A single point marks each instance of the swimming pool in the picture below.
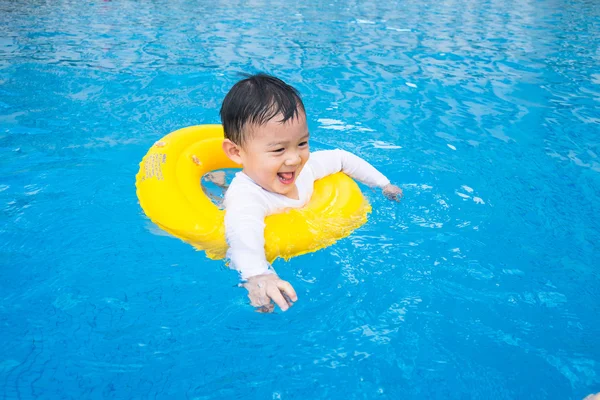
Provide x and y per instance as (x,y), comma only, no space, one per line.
(482,283)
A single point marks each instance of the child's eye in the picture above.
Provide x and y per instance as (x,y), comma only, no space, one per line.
(302,144)
(278,150)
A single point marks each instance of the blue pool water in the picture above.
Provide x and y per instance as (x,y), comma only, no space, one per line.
(483,283)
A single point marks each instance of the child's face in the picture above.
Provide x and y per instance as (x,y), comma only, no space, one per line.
(275,153)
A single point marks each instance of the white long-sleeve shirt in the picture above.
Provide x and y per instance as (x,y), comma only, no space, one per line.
(247,204)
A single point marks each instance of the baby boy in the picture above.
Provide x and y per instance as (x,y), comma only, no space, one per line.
(266,132)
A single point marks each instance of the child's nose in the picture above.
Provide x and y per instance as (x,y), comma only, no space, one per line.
(293,159)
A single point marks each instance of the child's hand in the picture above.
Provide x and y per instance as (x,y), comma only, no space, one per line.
(264,288)
(392,192)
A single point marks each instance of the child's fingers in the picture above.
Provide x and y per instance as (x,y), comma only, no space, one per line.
(288,290)
(275,295)
(257,300)
(265,309)
(393,194)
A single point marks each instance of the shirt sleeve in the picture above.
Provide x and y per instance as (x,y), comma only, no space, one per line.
(329,162)
(245,213)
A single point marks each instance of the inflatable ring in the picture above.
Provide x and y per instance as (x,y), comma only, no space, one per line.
(170,193)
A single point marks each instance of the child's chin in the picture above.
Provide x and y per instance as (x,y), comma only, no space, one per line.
(284,189)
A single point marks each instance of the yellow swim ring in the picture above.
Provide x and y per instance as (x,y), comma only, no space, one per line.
(170,193)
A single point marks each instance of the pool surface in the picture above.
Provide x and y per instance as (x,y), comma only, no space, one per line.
(483,283)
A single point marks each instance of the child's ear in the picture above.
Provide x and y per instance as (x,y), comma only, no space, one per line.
(232,151)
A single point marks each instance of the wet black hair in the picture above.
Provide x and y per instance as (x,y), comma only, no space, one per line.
(256,100)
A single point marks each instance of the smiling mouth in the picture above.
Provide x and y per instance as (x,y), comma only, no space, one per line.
(286,177)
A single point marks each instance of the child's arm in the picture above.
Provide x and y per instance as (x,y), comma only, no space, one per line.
(329,162)
(244,228)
